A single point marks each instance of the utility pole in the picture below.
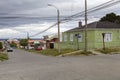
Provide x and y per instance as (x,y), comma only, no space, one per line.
(103,35)
(86,37)
(58,21)
(58,30)
(28,41)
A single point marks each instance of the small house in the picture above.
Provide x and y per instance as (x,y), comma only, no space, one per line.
(37,44)
(75,38)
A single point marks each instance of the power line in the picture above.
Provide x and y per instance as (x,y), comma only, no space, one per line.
(88,10)
(44,30)
(99,7)
(9,17)
(54,17)
(67,19)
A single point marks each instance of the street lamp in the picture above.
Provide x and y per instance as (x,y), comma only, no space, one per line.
(58,21)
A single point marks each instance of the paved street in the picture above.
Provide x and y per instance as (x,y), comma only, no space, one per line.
(23,65)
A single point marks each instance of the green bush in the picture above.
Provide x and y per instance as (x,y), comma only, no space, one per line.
(3,56)
(24,42)
(1,46)
(13,44)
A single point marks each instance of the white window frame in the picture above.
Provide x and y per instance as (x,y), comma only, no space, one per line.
(65,37)
(80,37)
(108,37)
(71,37)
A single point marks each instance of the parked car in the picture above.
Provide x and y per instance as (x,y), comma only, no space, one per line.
(9,50)
(38,48)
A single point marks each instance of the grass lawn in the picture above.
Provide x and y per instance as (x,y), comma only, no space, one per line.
(109,50)
(52,52)
(3,56)
(83,53)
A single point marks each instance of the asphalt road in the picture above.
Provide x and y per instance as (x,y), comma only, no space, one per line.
(23,65)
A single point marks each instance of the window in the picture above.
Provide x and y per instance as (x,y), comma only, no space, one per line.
(108,37)
(65,37)
(80,38)
(71,37)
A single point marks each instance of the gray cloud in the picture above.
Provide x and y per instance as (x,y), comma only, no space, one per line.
(14,13)
(11,6)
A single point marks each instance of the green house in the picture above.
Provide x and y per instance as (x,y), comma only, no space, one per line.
(75,38)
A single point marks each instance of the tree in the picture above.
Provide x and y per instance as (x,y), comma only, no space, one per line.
(13,44)
(1,46)
(118,20)
(109,17)
(24,42)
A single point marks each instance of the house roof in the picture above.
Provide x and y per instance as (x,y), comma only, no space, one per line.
(98,25)
(49,37)
(30,41)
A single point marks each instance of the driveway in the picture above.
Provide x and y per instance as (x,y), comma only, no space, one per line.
(23,65)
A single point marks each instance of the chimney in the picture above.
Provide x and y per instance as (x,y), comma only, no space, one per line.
(80,24)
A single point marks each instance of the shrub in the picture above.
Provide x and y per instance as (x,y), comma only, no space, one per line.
(24,42)
(3,56)
(1,46)
(13,44)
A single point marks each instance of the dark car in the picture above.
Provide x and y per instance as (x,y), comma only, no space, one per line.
(9,50)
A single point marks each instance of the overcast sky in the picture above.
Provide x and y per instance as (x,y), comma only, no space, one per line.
(17,17)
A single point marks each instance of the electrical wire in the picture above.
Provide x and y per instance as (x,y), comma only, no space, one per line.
(99,7)
(88,10)
(67,19)
(44,30)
